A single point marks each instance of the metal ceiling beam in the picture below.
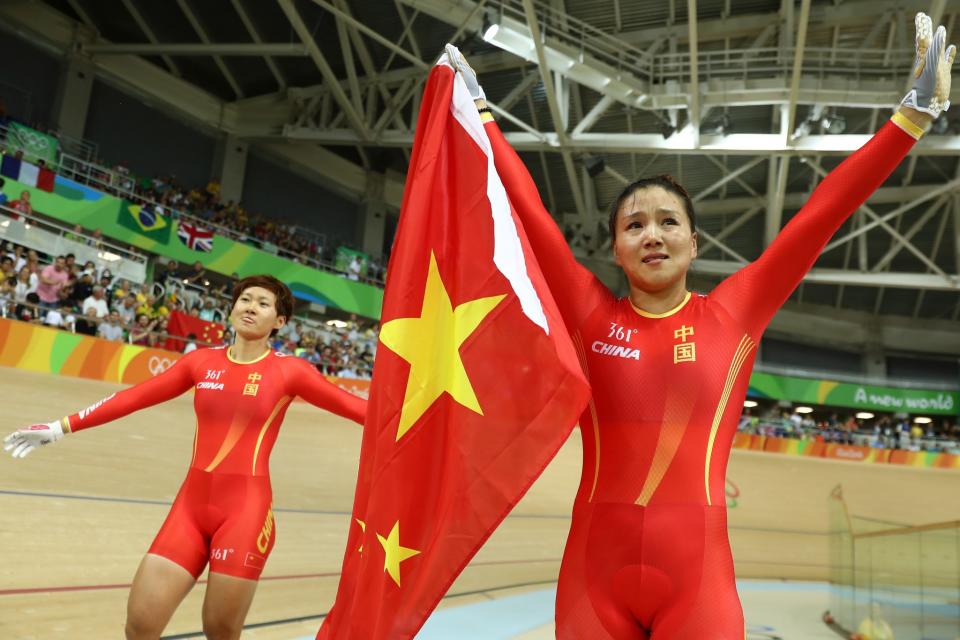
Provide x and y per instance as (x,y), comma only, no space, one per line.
(728,229)
(737,144)
(797,64)
(593,115)
(370,33)
(366,61)
(79,10)
(202,34)
(898,243)
(147,31)
(200,49)
(846,14)
(555,114)
(518,38)
(929,195)
(138,77)
(850,278)
(528,81)
(693,106)
(255,36)
(355,119)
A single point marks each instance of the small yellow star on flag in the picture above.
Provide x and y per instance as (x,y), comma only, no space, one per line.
(363,528)
(394,553)
(431,344)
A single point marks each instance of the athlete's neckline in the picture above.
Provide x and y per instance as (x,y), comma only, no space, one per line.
(257,359)
(647,314)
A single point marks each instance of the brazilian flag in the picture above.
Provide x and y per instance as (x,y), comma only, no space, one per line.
(145,221)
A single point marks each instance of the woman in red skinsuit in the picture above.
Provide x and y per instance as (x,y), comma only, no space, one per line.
(647,556)
(222,514)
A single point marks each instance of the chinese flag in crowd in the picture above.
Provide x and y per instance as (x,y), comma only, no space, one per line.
(476,382)
(183,324)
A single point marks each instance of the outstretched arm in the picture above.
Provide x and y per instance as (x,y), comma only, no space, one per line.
(169,384)
(310,385)
(754,293)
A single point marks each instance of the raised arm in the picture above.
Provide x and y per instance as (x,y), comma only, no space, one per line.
(169,384)
(576,290)
(754,293)
(309,384)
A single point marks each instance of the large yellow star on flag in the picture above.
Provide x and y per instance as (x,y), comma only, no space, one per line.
(394,554)
(431,344)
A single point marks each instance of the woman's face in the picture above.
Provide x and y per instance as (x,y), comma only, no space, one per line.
(655,243)
(254,315)
(24,274)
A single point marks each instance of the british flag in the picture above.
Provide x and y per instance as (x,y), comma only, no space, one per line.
(196,238)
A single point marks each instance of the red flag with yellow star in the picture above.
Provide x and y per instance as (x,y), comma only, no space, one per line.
(476,384)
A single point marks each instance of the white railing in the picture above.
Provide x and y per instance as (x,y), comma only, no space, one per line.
(55,238)
(584,40)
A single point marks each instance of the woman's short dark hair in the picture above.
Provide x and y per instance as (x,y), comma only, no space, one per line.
(664,181)
(284,297)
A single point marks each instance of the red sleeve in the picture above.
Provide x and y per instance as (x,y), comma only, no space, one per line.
(577,291)
(309,384)
(169,384)
(755,293)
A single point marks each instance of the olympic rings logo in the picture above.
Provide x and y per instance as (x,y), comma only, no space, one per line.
(158,365)
(32,140)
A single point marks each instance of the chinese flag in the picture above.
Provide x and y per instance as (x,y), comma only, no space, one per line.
(476,382)
(183,324)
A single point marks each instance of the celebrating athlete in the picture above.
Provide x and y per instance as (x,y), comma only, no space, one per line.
(647,554)
(241,395)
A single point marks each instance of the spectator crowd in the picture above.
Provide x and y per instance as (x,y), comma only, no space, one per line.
(235,221)
(59,292)
(880,432)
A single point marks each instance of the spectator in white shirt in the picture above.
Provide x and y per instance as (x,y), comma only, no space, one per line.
(354,268)
(60,318)
(98,302)
(110,328)
(26,283)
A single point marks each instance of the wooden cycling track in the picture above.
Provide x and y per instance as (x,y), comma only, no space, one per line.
(76,518)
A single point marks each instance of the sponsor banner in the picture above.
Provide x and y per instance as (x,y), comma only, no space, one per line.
(73,204)
(848,453)
(854,396)
(45,350)
(35,145)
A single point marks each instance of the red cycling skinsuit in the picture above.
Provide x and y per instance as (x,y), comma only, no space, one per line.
(647,555)
(222,513)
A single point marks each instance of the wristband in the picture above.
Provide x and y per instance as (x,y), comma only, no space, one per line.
(909,126)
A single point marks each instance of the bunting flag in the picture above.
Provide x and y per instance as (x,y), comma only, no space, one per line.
(25,173)
(145,221)
(10,166)
(183,324)
(194,237)
(476,384)
(46,180)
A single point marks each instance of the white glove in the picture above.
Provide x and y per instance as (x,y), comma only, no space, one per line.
(459,63)
(931,69)
(23,441)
